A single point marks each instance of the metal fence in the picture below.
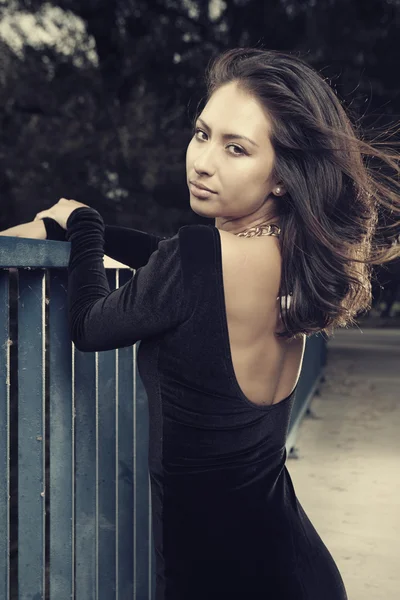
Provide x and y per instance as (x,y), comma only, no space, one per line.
(75,504)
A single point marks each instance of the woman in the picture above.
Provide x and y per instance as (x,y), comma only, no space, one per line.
(276,163)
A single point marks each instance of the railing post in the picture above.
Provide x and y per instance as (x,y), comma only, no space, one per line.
(31,434)
(4,436)
(61,440)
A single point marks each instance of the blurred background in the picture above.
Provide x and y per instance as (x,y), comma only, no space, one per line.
(96,102)
(97,96)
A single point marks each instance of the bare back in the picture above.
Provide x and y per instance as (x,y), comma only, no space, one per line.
(267,368)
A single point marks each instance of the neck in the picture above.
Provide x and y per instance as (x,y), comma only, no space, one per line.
(261,230)
(237,228)
(269,215)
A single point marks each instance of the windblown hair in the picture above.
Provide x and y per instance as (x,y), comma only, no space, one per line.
(334,216)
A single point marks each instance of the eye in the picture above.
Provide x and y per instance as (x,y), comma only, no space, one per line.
(241,151)
(237,148)
(197,130)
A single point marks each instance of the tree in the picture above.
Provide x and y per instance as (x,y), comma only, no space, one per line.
(101,111)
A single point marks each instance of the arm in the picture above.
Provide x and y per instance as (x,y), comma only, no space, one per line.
(128,246)
(153,302)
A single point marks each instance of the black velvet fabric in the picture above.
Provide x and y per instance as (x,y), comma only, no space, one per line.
(117,241)
(226,520)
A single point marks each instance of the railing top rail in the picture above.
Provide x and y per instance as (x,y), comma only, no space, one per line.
(16,252)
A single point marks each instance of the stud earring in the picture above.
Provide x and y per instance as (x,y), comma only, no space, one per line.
(277,191)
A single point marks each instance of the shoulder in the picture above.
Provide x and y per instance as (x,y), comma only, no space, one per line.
(251,265)
(259,255)
(204,243)
(197,246)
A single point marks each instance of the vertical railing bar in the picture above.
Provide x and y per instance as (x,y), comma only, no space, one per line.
(116,473)
(134,356)
(73,557)
(150,539)
(8,441)
(96,542)
(44,491)
(31,424)
(60,484)
(5,409)
(116,463)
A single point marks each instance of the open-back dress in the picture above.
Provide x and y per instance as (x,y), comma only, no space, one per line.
(226,521)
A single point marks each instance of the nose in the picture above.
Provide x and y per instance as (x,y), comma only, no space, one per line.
(203,164)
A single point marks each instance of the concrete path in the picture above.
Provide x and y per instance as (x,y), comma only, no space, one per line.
(347,474)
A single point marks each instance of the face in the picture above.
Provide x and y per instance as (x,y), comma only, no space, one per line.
(237,170)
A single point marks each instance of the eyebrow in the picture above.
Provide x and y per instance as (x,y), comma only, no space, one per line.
(230,136)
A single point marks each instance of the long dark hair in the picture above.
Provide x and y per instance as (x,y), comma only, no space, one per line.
(338,217)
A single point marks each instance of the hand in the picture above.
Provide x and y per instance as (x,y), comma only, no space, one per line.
(35,231)
(61,211)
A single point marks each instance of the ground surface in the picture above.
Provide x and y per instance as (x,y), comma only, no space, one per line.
(347,474)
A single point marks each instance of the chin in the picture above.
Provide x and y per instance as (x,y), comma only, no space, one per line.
(198,206)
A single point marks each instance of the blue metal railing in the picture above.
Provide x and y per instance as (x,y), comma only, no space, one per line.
(95,541)
(79,442)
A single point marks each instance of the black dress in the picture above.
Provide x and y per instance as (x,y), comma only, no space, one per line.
(226,520)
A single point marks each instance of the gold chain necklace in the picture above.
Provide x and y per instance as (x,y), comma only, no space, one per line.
(261,229)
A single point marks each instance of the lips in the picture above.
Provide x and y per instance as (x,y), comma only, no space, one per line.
(201,187)
(198,192)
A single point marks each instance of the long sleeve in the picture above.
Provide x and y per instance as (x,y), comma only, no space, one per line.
(151,303)
(124,244)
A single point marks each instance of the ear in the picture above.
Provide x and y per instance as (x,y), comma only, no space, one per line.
(281,187)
